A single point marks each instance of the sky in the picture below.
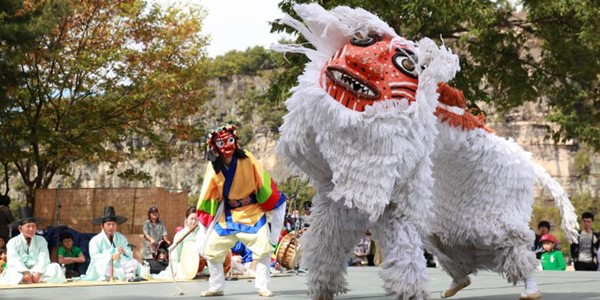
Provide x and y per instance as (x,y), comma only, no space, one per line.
(239,24)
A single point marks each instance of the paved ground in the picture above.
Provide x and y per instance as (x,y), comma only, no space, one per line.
(364,284)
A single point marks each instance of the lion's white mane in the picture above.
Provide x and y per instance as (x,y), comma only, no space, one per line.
(364,155)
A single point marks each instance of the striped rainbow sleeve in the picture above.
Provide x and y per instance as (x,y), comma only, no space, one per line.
(267,194)
(209,200)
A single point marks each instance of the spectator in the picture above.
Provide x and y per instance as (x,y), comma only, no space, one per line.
(543,228)
(2,241)
(2,259)
(364,252)
(6,216)
(305,220)
(598,259)
(295,220)
(191,220)
(584,252)
(155,235)
(241,260)
(70,256)
(109,255)
(552,259)
(27,254)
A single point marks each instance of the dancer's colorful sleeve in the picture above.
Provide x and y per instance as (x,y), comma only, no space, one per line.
(267,194)
(209,200)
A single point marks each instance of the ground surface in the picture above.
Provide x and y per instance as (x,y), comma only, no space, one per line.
(364,284)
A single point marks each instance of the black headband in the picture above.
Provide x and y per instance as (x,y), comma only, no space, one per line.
(109,219)
(25,221)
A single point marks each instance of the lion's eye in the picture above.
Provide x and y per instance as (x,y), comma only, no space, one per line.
(364,41)
(220,144)
(231,140)
(405,62)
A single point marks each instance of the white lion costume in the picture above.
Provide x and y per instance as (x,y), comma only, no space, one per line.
(383,152)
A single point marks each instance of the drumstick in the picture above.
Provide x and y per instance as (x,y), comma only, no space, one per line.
(112,269)
(205,238)
(173,246)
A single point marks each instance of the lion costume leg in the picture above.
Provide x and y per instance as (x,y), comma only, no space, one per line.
(404,266)
(334,229)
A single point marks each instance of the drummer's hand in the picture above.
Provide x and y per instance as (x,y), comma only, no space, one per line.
(151,241)
(116,256)
(121,250)
(36,277)
(26,277)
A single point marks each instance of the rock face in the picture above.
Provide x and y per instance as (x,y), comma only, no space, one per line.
(574,167)
(525,124)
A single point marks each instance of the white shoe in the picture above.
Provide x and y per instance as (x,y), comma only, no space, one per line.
(532,296)
(211,293)
(265,293)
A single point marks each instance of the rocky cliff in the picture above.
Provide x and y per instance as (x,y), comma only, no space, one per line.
(570,163)
(575,168)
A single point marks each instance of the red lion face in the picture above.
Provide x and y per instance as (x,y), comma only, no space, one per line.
(370,69)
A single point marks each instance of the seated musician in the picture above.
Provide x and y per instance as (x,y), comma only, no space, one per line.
(27,254)
(110,257)
(191,220)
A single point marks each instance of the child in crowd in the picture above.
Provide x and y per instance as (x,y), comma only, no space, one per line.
(552,259)
(2,259)
(70,256)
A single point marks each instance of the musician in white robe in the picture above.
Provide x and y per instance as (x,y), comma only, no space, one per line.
(175,258)
(28,257)
(109,246)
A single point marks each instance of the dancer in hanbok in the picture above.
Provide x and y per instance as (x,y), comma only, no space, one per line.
(236,194)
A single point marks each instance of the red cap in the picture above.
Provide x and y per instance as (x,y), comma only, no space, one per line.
(548,237)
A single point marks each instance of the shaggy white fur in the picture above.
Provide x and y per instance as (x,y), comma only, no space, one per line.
(376,169)
(366,167)
(482,205)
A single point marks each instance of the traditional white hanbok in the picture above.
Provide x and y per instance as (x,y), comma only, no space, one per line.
(33,257)
(101,250)
(175,255)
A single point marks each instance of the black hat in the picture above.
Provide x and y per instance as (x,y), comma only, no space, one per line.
(26,216)
(109,215)
(153,209)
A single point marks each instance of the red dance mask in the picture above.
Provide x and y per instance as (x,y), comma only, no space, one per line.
(223,140)
(370,69)
(225,143)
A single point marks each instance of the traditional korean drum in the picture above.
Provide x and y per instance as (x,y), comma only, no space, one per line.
(226,264)
(288,253)
(189,260)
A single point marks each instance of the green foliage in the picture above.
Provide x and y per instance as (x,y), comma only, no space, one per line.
(582,163)
(298,188)
(193,199)
(100,81)
(550,49)
(583,203)
(248,62)
(254,106)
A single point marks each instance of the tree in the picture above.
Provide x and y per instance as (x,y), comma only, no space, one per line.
(549,49)
(106,72)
